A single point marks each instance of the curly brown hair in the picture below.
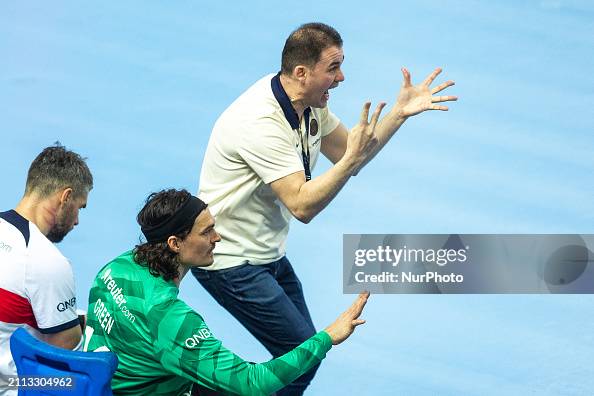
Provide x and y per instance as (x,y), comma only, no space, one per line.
(160,260)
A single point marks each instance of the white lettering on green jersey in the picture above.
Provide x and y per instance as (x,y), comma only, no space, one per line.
(164,346)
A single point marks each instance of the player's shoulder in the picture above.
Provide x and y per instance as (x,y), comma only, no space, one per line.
(43,256)
(14,233)
(124,268)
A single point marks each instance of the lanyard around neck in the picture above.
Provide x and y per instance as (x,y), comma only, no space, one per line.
(293,119)
(305,145)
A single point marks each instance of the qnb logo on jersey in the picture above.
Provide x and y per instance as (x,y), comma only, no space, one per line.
(64,305)
(193,341)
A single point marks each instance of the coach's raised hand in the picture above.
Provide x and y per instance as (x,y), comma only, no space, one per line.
(415,99)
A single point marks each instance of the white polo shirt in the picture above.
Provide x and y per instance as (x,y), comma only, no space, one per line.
(253,144)
(36,286)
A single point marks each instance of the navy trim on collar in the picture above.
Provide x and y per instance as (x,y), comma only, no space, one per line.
(285,103)
(19,222)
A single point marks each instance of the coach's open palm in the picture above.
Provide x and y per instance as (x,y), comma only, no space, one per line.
(415,99)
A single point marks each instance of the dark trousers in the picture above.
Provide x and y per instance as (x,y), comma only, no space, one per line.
(268,301)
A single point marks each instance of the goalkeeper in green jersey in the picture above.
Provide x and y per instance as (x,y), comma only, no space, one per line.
(163,346)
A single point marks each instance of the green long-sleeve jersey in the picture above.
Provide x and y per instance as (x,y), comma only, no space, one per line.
(164,346)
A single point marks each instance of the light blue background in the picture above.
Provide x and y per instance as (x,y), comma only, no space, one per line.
(136,87)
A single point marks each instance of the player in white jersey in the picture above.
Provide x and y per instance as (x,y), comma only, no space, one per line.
(37,285)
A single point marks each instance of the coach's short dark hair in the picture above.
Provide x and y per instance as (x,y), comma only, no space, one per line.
(305,45)
(157,256)
(57,168)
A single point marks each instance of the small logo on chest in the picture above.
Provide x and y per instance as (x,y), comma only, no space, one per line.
(313,127)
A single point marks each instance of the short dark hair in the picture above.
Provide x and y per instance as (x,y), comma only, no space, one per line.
(305,45)
(56,168)
(160,260)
